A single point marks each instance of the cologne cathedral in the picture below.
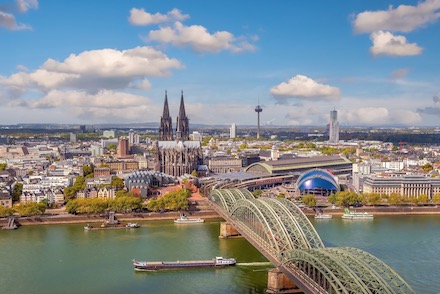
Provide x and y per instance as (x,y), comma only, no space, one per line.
(176,155)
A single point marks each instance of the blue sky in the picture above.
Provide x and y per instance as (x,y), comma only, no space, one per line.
(376,62)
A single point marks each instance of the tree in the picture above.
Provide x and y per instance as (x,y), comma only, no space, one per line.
(427,168)
(372,198)
(5,211)
(3,166)
(436,198)
(112,147)
(29,209)
(117,182)
(345,198)
(309,200)
(122,193)
(69,193)
(395,199)
(194,173)
(87,169)
(423,199)
(17,191)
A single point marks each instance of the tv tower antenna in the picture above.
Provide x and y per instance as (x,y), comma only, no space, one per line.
(258,109)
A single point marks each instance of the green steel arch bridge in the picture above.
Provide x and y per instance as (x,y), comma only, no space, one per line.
(285,236)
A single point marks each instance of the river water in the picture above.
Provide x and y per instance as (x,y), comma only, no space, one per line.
(67,259)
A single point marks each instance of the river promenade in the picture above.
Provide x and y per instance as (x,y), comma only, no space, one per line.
(59,216)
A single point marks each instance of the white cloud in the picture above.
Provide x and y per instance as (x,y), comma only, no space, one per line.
(404,18)
(95,70)
(436,97)
(380,115)
(385,43)
(140,17)
(8,19)
(304,87)
(103,99)
(25,5)
(199,39)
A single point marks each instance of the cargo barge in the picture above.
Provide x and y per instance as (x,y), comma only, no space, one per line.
(164,265)
(111,227)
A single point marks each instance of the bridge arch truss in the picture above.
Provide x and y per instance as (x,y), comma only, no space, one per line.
(290,241)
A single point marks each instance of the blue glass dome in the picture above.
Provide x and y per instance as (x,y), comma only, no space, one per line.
(317,179)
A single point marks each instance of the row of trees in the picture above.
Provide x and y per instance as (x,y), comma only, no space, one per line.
(27,209)
(176,200)
(97,205)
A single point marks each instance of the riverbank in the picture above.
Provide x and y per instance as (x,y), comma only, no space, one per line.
(204,211)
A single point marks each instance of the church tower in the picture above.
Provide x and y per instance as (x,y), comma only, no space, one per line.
(166,125)
(182,128)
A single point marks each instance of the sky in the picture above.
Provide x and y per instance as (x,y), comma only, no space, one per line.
(90,61)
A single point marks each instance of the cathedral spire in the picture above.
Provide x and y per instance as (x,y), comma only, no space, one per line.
(182,113)
(166,127)
(166,110)
(182,128)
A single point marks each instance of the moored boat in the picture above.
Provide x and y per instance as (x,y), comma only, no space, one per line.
(323,216)
(356,215)
(164,265)
(183,219)
(106,226)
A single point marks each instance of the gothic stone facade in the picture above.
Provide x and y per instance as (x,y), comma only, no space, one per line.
(176,155)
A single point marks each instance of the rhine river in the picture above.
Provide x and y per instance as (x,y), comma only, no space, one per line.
(67,259)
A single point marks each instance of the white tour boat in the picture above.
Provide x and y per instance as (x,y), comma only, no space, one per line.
(356,215)
(183,219)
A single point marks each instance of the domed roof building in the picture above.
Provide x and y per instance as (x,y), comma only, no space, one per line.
(317,182)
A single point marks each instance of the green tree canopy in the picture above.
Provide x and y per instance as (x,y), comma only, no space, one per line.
(28,209)
(6,211)
(87,169)
(176,200)
(17,191)
(117,182)
(309,200)
(345,198)
(3,166)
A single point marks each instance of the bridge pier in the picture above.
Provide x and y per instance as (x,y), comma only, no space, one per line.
(228,231)
(277,282)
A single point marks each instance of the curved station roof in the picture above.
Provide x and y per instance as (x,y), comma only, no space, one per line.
(315,179)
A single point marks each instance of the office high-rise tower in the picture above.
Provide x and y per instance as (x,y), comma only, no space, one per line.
(233,131)
(334,127)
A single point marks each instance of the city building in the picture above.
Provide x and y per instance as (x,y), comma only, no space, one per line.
(224,165)
(233,131)
(196,136)
(73,138)
(140,182)
(336,164)
(334,127)
(318,182)
(176,156)
(5,200)
(406,185)
(123,147)
(133,138)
